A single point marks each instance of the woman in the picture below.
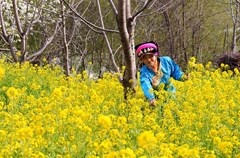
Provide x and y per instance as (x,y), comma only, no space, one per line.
(156,70)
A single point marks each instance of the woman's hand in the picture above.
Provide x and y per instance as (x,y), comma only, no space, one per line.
(152,102)
(188,76)
(185,77)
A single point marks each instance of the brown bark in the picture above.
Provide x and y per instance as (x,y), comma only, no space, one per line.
(171,41)
(65,44)
(235,14)
(184,47)
(126,29)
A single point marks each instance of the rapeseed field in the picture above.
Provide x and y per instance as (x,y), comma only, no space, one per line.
(46,114)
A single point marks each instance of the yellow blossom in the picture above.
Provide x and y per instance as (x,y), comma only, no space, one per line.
(225,147)
(236,71)
(105,122)
(2,72)
(146,139)
(44,113)
(127,153)
(13,93)
(213,133)
(18,53)
(24,133)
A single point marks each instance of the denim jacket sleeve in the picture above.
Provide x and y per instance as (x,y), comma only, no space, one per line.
(145,80)
(176,72)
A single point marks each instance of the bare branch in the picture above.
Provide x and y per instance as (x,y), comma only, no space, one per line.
(162,9)
(47,42)
(15,10)
(72,33)
(117,50)
(7,38)
(107,41)
(85,21)
(142,9)
(4,49)
(34,20)
(113,7)
(2,23)
(152,4)
(231,9)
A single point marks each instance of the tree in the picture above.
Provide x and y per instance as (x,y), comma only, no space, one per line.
(234,10)
(126,25)
(65,43)
(193,28)
(18,27)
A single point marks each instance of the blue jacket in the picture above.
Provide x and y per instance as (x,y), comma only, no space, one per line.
(169,69)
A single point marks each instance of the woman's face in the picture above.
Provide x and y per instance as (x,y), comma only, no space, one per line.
(149,60)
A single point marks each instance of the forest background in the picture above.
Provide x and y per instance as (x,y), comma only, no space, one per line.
(99,35)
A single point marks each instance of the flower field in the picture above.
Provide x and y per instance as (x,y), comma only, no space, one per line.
(45,114)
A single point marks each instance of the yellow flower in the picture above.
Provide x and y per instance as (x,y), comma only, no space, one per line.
(231,121)
(18,53)
(34,86)
(230,73)
(44,59)
(146,139)
(236,71)
(71,138)
(185,151)
(105,146)
(216,140)
(161,136)
(193,59)
(39,130)
(222,65)
(114,133)
(12,93)
(127,153)
(200,67)
(24,133)
(210,156)
(111,154)
(225,147)
(213,133)
(166,152)
(2,135)
(2,72)
(208,65)
(38,154)
(105,122)
(226,67)
(225,74)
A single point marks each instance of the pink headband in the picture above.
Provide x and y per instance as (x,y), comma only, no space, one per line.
(147,48)
(146,45)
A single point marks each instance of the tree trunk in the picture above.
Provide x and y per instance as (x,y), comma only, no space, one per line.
(65,44)
(225,42)
(126,29)
(170,33)
(235,26)
(184,47)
